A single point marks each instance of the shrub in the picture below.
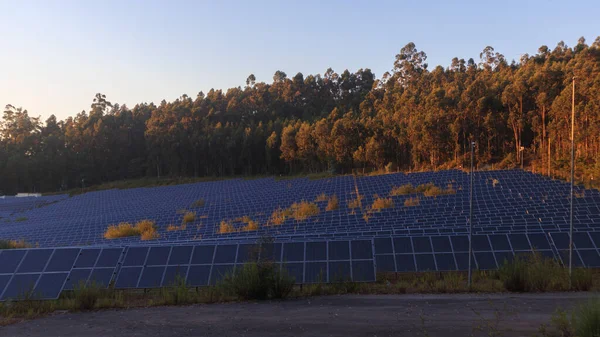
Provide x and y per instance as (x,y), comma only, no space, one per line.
(303,210)
(251,225)
(587,319)
(382,203)
(537,273)
(582,279)
(146,229)
(226,227)
(258,281)
(424,187)
(86,296)
(198,203)
(411,202)
(279,216)
(189,217)
(121,230)
(332,203)
(356,202)
(14,244)
(432,191)
(402,190)
(321,197)
(514,274)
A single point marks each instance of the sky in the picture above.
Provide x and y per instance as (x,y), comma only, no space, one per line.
(56,55)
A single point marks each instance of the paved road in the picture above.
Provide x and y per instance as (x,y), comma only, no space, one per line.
(348,315)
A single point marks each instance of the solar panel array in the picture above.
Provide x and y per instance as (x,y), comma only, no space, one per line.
(505,202)
(515,212)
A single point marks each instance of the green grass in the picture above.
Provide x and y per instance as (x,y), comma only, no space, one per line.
(20,219)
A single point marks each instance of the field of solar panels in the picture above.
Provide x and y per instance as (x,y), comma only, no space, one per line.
(513,212)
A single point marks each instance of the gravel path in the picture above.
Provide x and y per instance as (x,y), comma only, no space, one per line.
(348,315)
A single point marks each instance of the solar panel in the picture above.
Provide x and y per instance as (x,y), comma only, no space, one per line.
(198,276)
(151,277)
(35,261)
(226,254)
(158,256)
(340,271)
(10,260)
(339,250)
(128,277)
(135,256)
(316,251)
(422,244)
(425,262)
(293,251)
(405,262)
(50,285)
(174,274)
(363,271)
(20,286)
(316,272)
(203,254)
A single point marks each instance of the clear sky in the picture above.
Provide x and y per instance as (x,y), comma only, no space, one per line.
(56,55)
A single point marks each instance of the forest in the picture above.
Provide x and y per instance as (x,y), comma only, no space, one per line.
(411,118)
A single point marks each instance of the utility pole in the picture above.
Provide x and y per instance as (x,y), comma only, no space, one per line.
(572,185)
(471,216)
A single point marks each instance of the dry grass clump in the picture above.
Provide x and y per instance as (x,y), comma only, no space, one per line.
(495,182)
(251,225)
(226,227)
(402,190)
(279,216)
(189,217)
(411,202)
(304,209)
(146,229)
(198,203)
(332,203)
(14,244)
(381,203)
(355,203)
(321,197)
(173,228)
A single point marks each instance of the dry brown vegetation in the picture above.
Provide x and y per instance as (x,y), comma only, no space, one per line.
(172,228)
(413,201)
(355,203)
(226,227)
(332,203)
(382,203)
(321,197)
(402,190)
(303,210)
(279,216)
(189,217)
(198,203)
(146,229)
(14,244)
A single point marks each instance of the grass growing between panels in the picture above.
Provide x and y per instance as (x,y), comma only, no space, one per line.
(321,197)
(189,217)
(174,228)
(14,244)
(146,229)
(382,203)
(412,201)
(332,203)
(402,190)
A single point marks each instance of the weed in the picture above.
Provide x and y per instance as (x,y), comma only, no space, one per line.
(172,228)
(146,229)
(412,201)
(198,203)
(495,182)
(332,203)
(20,219)
(382,203)
(355,203)
(279,216)
(14,244)
(86,296)
(402,190)
(303,210)
(321,197)
(226,227)
(258,281)
(189,217)
(587,319)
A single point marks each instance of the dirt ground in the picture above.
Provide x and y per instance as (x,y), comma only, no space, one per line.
(348,315)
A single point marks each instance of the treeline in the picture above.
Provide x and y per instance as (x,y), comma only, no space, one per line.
(410,118)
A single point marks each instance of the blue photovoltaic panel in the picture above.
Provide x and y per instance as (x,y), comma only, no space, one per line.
(405,262)
(203,254)
(198,276)
(539,241)
(101,276)
(87,258)
(151,277)
(135,256)
(363,271)
(361,249)
(180,255)
(128,277)
(109,257)
(174,274)
(248,253)
(293,251)
(271,252)
(50,285)
(501,257)
(35,261)
(460,243)
(445,261)
(561,240)
(316,251)
(519,242)
(481,243)
(10,260)
(441,244)
(77,277)
(4,279)
(485,260)
(402,245)
(422,244)
(383,246)
(316,272)
(62,260)
(219,272)
(339,271)
(339,250)
(499,242)
(590,257)
(385,263)
(225,254)
(582,241)
(20,286)
(158,256)
(425,262)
